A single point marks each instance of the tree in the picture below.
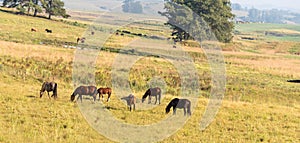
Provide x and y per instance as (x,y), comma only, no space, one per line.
(54,8)
(22,5)
(130,6)
(216,13)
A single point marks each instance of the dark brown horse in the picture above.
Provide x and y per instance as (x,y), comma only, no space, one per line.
(131,100)
(106,90)
(84,90)
(49,86)
(152,92)
(179,103)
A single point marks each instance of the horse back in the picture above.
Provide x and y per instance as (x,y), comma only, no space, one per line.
(184,103)
(155,91)
(104,90)
(86,90)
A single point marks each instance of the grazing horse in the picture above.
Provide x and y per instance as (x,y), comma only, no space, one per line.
(179,103)
(152,92)
(49,86)
(33,30)
(48,30)
(131,100)
(106,90)
(81,40)
(84,90)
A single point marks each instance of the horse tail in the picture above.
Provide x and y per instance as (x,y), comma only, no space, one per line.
(55,90)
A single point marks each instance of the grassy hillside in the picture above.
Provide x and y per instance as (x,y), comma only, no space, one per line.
(259,105)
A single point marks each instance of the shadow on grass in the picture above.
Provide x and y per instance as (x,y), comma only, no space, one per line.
(31,96)
(111,108)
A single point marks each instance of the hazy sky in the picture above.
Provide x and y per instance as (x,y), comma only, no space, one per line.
(293,5)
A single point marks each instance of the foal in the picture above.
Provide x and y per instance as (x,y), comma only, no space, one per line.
(131,100)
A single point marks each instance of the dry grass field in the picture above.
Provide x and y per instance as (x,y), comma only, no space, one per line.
(259,105)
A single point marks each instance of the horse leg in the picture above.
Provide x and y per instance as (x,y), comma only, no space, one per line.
(155,99)
(159,96)
(79,96)
(184,110)
(102,97)
(94,97)
(189,110)
(149,99)
(174,110)
(134,107)
(48,95)
(108,98)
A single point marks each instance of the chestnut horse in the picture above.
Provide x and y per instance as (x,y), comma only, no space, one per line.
(179,103)
(102,91)
(84,90)
(49,86)
(152,92)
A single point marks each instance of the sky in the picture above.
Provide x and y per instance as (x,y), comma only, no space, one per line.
(293,5)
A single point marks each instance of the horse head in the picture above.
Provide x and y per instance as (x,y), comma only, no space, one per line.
(167,110)
(144,98)
(72,97)
(41,93)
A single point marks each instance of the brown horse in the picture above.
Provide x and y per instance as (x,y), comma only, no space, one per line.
(152,92)
(84,90)
(49,86)
(131,100)
(102,91)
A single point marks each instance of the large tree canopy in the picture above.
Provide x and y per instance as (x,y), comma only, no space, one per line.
(52,7)
(216,14)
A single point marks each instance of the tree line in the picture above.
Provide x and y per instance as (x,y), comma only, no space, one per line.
(267,16)
(50,7)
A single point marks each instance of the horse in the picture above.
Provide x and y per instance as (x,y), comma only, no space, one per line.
(49,86)
(131,100)
(81,40)
(84,90)
(102,91)
(33,30)
(152,92)
(48,30)
(179,103)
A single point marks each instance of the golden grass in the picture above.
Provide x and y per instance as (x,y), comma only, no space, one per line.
(259,105)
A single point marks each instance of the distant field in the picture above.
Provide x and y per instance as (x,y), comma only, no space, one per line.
(259,105)
(281,32)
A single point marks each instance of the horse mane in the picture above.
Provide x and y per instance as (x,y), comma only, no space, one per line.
(169,106)
(146,93)
(172,103)
(43,87)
